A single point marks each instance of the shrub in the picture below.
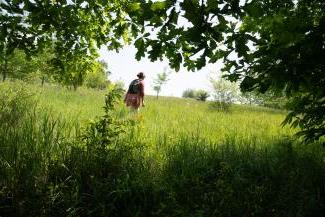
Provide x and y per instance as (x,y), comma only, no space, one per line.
(15,103)
(202,95)
(189,93)
(96,81)
(220,106)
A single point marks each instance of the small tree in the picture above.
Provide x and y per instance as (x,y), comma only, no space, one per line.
(157,88)
(161,79)
(15,65)
(44,69)
(224,91)
(28,68)
(72,70)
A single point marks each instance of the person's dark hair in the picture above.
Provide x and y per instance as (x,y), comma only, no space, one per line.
(141,75)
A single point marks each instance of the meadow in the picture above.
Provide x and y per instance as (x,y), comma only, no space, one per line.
(172,117)
(177,157)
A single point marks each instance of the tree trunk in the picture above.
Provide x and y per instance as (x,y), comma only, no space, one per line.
(157,94)
(75,86)
(43,80)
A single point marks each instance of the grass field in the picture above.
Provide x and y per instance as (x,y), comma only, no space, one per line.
(173,117)
(180,157)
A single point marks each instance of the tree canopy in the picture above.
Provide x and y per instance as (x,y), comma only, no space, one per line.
(73,26)
(274,45)
(74,30)
(159,81)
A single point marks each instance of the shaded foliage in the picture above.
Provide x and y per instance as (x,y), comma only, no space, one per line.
(75,30)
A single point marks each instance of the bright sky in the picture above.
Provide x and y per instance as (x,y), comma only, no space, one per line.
(124,67)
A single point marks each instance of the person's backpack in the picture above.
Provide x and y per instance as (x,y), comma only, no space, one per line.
(134,87)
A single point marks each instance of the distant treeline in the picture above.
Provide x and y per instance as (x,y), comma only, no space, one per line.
(45,67)
(225,93)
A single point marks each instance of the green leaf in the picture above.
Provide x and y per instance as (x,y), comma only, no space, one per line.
(140,45)
(134,7)
(176,61)
(192,12)
(156,50)
(158,6)
(212,5)
(254,9)
(248,83)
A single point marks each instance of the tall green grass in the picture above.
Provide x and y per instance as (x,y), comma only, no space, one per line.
(176,158)
(172,117)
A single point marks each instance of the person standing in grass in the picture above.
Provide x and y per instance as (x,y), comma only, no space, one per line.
(134,97)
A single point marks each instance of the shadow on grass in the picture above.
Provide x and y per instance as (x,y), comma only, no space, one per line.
(244,181)
(195,179)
